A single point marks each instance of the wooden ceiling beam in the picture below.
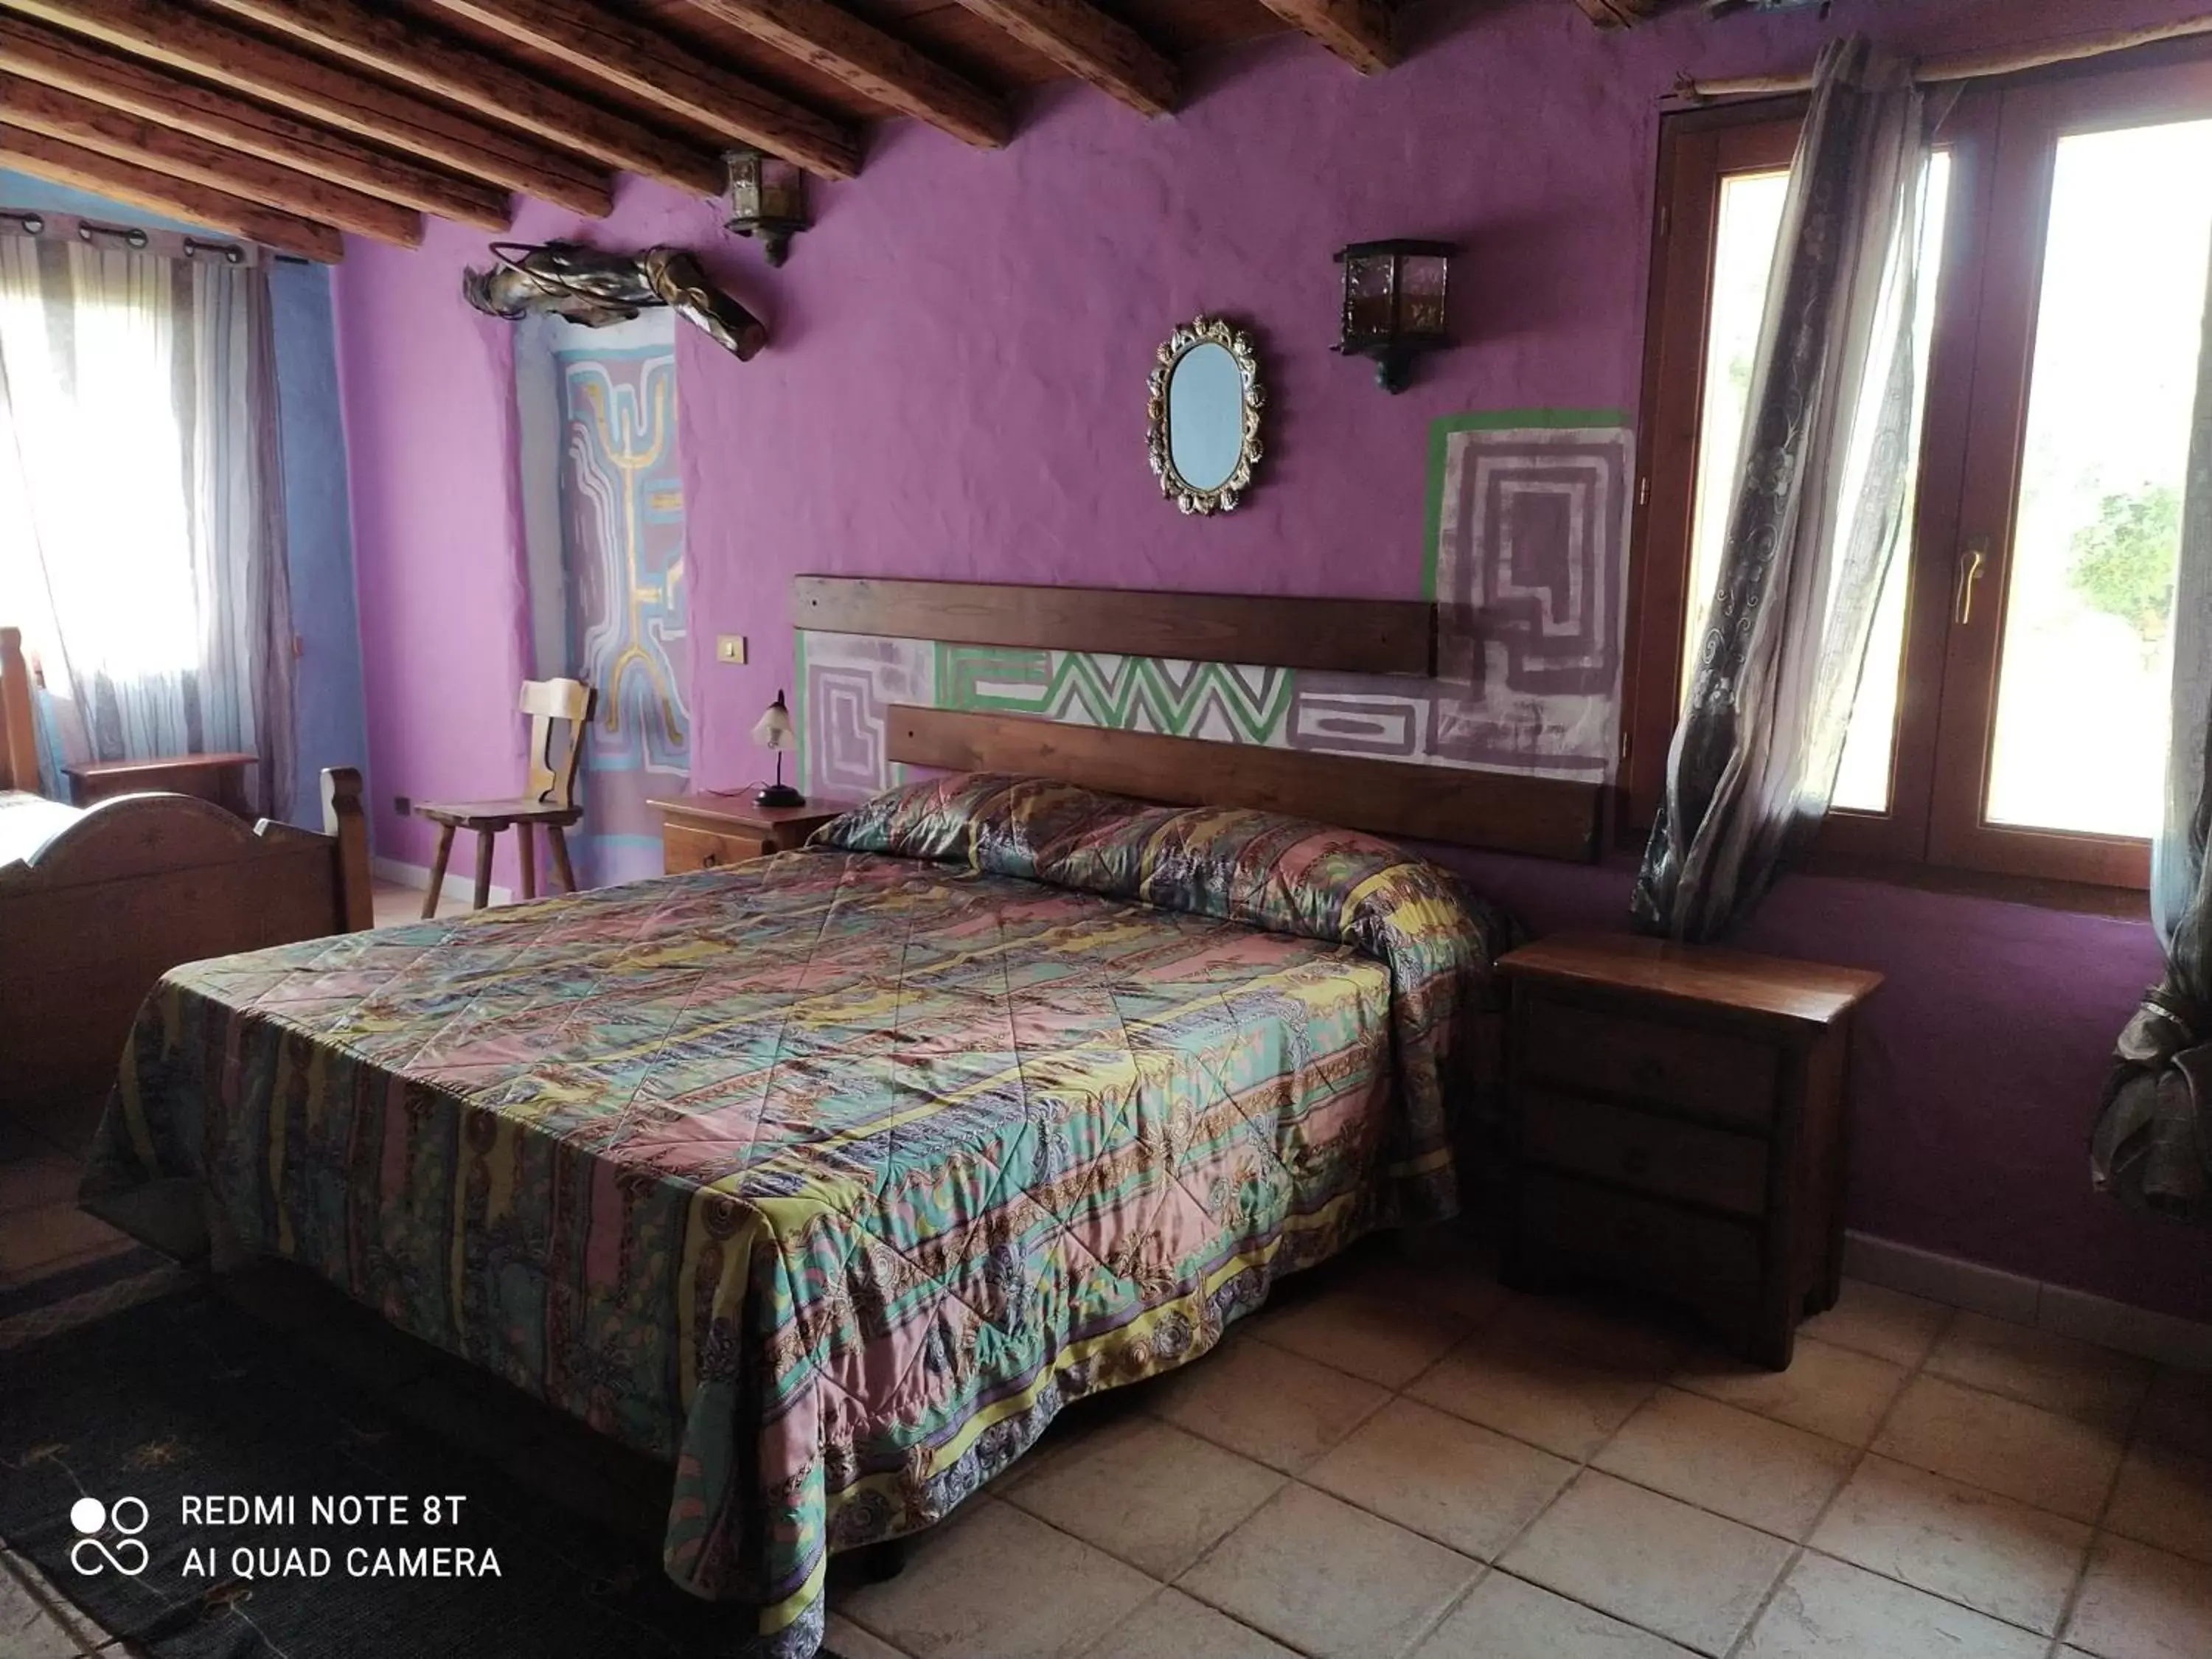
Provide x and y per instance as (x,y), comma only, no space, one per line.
(80,121)
(73,64)
(478,81)
(874,64)
(198,44)
(1360,31)
(1089,46)
(159,193)
(654,69)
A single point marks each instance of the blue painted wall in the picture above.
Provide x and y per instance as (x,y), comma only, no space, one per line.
(327,689)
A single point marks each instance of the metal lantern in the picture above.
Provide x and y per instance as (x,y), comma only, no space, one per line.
(1394,304)
(766,198)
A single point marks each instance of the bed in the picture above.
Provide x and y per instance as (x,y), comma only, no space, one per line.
(832,1177)
(96,903)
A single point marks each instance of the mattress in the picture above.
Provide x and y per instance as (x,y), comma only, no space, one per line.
(831,1177)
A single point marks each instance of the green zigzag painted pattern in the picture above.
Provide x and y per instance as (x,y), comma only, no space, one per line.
(1223,701)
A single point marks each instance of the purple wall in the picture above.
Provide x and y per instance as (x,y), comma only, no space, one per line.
(954,388)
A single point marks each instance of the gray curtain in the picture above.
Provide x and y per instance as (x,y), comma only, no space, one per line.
(2151,1147)
(142,511)
(1819,509)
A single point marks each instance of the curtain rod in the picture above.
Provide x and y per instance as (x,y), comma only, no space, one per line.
(1971,66)
(37,222)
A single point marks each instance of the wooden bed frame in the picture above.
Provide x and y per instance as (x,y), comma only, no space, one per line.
(134,886)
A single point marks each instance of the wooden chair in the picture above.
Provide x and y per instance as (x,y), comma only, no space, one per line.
(549,797)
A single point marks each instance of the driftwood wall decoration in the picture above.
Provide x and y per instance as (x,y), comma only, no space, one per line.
(588,286)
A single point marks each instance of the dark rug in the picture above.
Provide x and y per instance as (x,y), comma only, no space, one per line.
(187,1403)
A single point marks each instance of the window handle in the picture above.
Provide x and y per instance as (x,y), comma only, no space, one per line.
(1969,573)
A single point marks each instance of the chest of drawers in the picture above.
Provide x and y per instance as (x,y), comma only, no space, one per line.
(1678,1122)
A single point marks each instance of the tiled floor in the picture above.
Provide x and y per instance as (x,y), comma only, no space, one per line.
(1401,1460)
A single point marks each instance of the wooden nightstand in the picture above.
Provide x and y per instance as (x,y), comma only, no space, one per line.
(1677,1119)
(706,832)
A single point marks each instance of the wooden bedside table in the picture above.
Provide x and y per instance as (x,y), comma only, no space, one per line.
(1677,1120)
(706,832)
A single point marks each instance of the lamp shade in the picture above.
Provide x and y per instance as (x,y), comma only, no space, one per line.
(774,729)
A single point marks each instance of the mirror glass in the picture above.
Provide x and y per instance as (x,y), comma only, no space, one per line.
(1205,415)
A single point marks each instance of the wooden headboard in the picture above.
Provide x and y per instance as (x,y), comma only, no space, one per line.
(1502,811)
(19,745)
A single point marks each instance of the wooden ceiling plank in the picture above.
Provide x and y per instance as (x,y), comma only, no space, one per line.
(1358,30)
(75,64)
(488,86)
(88,125)
(653,68)
(873,63)
(198,44)
(159,193)
(1089,46)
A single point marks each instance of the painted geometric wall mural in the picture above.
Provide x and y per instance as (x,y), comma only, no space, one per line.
(1529,516)
(622,522)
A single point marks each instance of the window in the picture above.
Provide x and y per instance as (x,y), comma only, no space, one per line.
(2012,715)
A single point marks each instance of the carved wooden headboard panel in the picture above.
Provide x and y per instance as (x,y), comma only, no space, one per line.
(1315,707)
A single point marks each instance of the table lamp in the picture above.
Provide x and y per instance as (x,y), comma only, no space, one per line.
(775,731)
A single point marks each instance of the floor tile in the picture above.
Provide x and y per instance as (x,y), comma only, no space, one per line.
(29,1183)
(1506,1619)
(35,1622)
(992,1582)
(2075,1379)
(1329,1579)
(1451,1480)
(1751,1468)
(2002,1445)
(1966,1544)
(1281,1409)
(1614,1332)
(1692,1577)
(2164,1498)
(1387,1342)
(2178,1410)
(1147,1492)
(52,1236)
(1459,1277)
(1174,1626)
(842,1637)
(1876,1319)
(1832,1391)
(2141,1603)
(1830,1610)
(1536,1394)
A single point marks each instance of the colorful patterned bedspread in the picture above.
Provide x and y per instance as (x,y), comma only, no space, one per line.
(833,1176)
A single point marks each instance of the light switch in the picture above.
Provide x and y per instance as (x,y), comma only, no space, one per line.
(730,648)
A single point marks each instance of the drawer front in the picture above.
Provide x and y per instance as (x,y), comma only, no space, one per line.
(685,849)
(1711,1263)
(1651,1154)
(1695,1068)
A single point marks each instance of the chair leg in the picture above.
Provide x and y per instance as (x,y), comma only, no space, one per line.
(486,840)
(438,870)
(525,849)
(561,857)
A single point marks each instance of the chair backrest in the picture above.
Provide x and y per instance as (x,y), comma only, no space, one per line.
(552,706)
(19,744)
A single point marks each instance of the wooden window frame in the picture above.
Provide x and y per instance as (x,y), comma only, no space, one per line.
(2001,139)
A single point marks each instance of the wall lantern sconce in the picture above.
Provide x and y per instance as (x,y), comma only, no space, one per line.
(1394,304)
(766,198)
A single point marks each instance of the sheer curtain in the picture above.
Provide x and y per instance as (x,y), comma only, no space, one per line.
(142,539)
(2152,1147)
(1819,510)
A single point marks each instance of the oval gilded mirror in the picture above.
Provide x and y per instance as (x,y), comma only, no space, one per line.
(1204,415)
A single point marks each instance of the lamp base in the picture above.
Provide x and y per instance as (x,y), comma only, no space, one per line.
(779,794)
